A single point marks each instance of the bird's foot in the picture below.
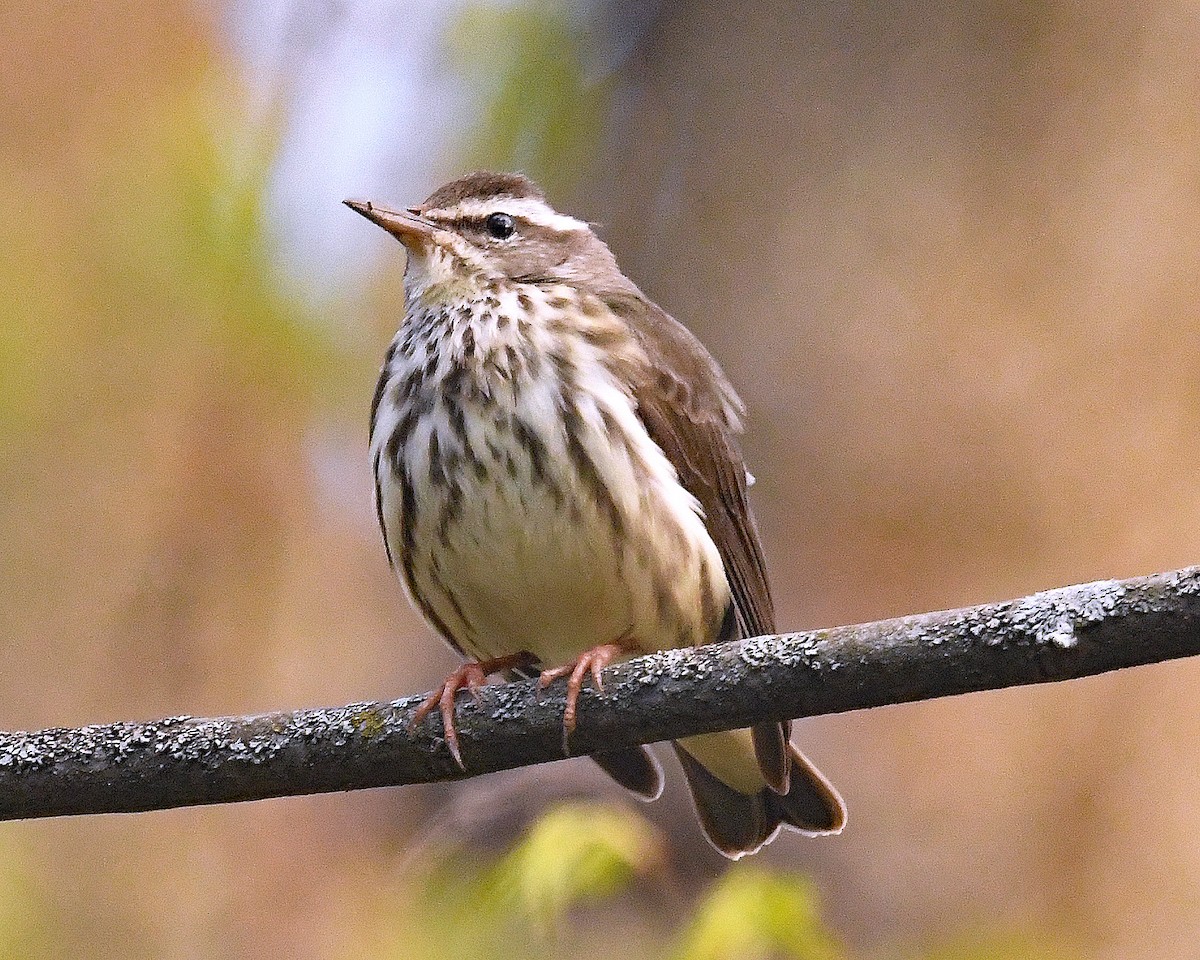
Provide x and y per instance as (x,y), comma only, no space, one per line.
(470,676)
(590,661)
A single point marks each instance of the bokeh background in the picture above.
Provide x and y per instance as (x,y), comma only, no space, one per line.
(950,254)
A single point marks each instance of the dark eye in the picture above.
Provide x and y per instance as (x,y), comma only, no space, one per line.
(500,225)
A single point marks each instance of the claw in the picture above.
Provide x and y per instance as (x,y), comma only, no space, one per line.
(590,662)
(470,676)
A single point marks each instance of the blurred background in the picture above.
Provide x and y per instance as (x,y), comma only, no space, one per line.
(949,253)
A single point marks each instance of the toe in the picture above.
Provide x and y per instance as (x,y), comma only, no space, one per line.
(475,678)
(448,730)
(424,709)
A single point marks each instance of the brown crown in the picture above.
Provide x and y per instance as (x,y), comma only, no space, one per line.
(484,185)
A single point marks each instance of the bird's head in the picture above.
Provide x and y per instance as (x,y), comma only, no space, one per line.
(488,227)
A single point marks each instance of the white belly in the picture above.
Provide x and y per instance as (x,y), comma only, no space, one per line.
(528,576)
(528,531)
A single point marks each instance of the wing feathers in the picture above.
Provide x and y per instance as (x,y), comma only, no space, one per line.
(694,415)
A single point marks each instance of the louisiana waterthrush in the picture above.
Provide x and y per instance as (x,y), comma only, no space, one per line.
(559,483)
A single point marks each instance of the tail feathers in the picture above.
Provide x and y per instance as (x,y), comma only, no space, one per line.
(812,804)
(738,823)
(771,751)
(636,769)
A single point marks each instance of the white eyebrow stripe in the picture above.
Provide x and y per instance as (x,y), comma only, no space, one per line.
(535,211)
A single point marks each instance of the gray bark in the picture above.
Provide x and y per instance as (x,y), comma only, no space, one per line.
(181,761)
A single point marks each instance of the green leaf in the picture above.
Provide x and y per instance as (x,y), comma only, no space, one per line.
(754,913)
(573,853)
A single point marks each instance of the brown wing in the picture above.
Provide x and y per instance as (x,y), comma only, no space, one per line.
(694,415)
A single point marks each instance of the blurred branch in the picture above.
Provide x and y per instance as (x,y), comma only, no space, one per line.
(1057,635)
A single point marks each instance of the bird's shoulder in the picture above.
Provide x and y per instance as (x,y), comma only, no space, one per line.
(679,369)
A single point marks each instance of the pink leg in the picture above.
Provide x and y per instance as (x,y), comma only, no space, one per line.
(470,676)
(590,661)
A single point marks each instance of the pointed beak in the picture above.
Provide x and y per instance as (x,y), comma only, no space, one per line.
(406,226)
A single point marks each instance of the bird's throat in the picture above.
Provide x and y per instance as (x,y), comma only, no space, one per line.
(437,277)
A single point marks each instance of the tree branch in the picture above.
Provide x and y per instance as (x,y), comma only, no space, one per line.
(1057,635)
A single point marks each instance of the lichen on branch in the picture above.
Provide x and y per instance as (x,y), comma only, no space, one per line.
(182,761)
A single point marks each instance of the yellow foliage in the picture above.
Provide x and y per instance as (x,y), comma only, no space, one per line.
(754,913)
(573,853)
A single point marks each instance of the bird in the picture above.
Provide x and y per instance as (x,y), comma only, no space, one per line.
(560,485)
